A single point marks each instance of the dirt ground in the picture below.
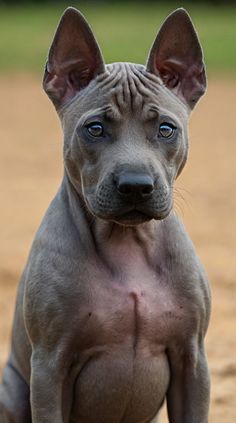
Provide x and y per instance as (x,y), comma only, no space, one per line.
(30,171)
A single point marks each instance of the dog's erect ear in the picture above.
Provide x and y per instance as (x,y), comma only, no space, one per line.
(176,57)
(74,58)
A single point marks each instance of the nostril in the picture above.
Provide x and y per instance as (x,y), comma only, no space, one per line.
(147,189)
(125,189)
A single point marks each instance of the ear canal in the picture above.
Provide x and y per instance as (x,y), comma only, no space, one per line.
(176,57)
(74,58)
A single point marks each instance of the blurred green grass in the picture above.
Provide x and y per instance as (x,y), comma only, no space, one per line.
(125,32)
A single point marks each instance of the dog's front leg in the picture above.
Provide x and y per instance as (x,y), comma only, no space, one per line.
(46,388)
(188,393)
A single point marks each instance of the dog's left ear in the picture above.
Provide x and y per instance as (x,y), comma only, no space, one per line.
(74,58)
(176,57)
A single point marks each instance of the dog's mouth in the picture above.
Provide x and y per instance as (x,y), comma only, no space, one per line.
(134,216)
(126,214)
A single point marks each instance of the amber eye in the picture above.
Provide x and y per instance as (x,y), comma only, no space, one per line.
(95,129)
(166,130)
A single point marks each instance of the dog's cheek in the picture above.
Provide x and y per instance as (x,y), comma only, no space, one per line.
(80,163)
(181,156)
(72,163)
(182,162)
(176,157)
(74,175)
(89,181)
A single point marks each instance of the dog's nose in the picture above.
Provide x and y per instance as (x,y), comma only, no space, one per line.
(134,185)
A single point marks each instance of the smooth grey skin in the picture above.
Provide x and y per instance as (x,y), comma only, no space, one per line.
(113,305)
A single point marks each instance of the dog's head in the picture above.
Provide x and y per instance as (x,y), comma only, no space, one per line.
(125,125)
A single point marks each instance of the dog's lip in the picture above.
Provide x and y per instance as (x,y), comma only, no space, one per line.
(133,217)
(130,214)
(136,215)
(129,217)
(133,214)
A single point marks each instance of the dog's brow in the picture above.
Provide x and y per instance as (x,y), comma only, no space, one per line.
(113,113)
(151,111)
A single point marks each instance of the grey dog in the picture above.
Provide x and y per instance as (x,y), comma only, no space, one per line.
(113,305)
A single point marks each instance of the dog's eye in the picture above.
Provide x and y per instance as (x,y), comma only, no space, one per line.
(166,130)
(95,129)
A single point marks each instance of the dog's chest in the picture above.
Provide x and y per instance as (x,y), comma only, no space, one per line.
(137,307)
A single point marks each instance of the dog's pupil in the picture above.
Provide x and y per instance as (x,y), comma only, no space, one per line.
(166,130)
(95,129)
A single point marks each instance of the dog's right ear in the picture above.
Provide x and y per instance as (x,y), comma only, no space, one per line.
(74,58)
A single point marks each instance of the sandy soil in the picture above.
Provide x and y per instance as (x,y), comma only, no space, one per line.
(30,171)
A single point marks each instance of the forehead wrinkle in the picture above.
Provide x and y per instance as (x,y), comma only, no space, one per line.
(113,113)
(136,97)
(129,93)
(116,92)
(157,86)
(130,88)
(122,95)
(96,112)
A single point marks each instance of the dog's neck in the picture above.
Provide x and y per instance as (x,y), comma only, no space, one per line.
(123,245)
(115,244)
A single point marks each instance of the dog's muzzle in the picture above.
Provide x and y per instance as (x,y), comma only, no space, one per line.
(131,197)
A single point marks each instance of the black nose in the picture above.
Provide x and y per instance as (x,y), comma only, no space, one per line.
(132,185)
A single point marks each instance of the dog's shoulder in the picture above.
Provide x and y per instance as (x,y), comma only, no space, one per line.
(185,266)
(177,243)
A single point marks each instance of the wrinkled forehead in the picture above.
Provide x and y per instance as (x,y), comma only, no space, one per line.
(134,90)
(126,89)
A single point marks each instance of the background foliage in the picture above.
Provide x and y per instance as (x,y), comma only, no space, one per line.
(125,30)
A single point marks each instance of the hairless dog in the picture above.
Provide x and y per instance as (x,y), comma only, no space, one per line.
(113,305)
